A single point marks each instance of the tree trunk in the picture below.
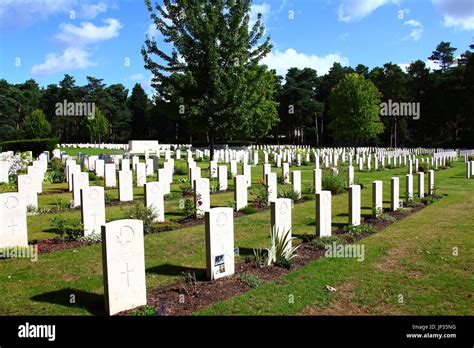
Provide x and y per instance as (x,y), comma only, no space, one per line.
(211,136)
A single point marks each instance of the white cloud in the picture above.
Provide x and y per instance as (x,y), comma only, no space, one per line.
(91,11)
(88,33)
(354,10)
(457,14)
(136,77)
(282,61)
(72,58)
(152,31)
(264,9)
(428,63)
(416,31)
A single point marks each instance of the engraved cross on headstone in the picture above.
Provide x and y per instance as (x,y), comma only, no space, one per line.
(12,226)
(127,273)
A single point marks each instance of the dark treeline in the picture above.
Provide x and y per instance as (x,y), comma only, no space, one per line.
(445,96)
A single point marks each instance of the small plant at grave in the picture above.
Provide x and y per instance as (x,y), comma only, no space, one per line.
(92,176)
(54,177)
(62,205)
(91,238)
(415,203)
(190,282)
(305,163)
(188,207)
(229,175)
(180,169)
(288,192)
(65,229)
(334,183)
(170,196)
(248,210)
(260,257)
(145,311)
(280,179)
(56,165)
(260,194)
(377,212)
(214,185)
(140,212)
(8,187)
(427,200)
(251,280)
(322,242)
(185,187)
(31,210)
(405,210)
(388,218)
(308,189)
(360,229)
(423,167)
(232,204)
(108,198)
(281,253)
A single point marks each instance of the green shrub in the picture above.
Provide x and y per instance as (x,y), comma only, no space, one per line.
(427,200)
(288,192)
(56,165)
(66,229)
(251,280)
(260,194)
(37,146)
(248,210)
(280,179)
(189,209)
(54,177)
(232,204)
(361,229)
(281,253)
(145,311)
(185,187)
(180,169)
(140,212)
(320,243)
(334,183)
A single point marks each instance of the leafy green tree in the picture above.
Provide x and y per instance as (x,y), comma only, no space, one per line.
(138,105)
(261,100)
(98,126)
(354,106)
(213,47)
(443,55)
(36,126)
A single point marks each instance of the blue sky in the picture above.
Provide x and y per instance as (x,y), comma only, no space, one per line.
(45,39)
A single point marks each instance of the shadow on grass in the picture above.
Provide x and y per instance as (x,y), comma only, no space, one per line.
(176,270)
(93,303)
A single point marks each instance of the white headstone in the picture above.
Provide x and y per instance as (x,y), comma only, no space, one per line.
(317,180)
(13,225)
(296,180)
(110,175)
(219,243)
(323,213)
(79,181)
(354,205)
(421,184)
(271,183)
(240,192)
(125,186)
(202,196)
(394,193)
(281,216)
(154,199)
(27,187)
(123,265)
(92,209)
(377,198)
(222,171)
(409,188)
(141,174)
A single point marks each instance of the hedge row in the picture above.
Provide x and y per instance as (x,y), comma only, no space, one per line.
(37,146)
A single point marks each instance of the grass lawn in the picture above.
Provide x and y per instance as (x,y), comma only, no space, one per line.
(46,286)
(91,152)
